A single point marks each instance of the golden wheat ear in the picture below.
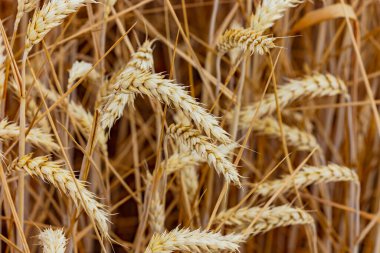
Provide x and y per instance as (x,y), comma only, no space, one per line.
(52,241)
(196,241)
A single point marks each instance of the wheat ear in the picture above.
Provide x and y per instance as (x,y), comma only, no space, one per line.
(246,40)
(52,241)
(168,92)
(192,139)
(317,85)
(266,219)
(53,173)
(79,69)
(113,102)
(270,11)
(156,214)
(195,241)
(294,137)
(306,176)
(36,136)
(24,6)
(48,17)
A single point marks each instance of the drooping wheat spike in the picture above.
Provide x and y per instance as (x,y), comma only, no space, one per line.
(270,11)
(294,137)
(167,91)
(195,241)
(53,172)
(156,215)
(317,85)
(191,139)
(306,176)
(52,241)
(267,219)
(36,136)
(51,15)
(245,39)
(24,6)
(112,99)
(79,69)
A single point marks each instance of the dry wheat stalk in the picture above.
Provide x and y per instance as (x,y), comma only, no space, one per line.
(2,66)
(112,99)
(54,173)
(156,214)
(294,137)
(52,241)
(306,176)
(246,40)
(191,139)
(267,219)
(193,241)
(79,69)
(317,85)
(172,94)
(36,136)
(48,17)
(270,11)
(109,5)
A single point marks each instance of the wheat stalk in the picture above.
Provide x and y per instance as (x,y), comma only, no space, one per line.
(52,241)
(294,137)
(306,176)
(317,85)
(53,173)
(48,17)
(246,40)
(266,220)
(112,104)
(192,139)
(270,11)
(2,67)
(193,241)
(36,136)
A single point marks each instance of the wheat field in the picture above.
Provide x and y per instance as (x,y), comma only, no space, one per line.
(163,126)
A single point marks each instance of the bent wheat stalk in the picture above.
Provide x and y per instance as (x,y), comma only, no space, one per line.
(53,173)
(52,241)
(317,85)
(306,176)
(268,219)
(193,241)
(191,139)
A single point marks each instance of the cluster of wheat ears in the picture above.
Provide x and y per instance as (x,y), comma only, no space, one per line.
(116,114)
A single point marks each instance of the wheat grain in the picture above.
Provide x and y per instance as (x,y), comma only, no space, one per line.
(317,85)
(192,139)
(36,136)
(270,11)
(112,104)
(53,173)
(306,176)
(294,137)
(52,241)
(48,17)
(246,40)
(193,241)
(266,220)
